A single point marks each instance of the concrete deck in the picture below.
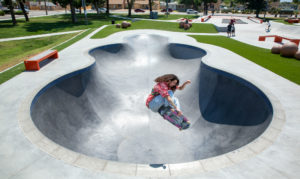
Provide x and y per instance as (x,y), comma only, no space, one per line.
(26,153)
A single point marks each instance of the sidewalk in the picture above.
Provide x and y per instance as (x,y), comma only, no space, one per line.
(38,36)
(33,13)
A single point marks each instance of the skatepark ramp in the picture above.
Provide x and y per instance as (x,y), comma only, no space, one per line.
(100,111)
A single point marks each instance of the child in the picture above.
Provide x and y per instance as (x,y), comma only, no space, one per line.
(229,30)
(232,30)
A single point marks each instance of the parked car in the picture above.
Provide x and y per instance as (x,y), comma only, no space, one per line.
(102,10)
(76,10)
(139,10)
(165,10)
(5,10)
(191,11)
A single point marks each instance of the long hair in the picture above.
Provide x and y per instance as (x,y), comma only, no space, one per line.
(166,78)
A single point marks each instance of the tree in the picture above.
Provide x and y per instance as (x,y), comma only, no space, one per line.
(97,4)
(196,3)
(130,4)
(64,4)
(206,2)
(107,7)
(257,5)
(297,2)
(46,9)
(73,11)
(187,3)
(150,6)
(11,9)
(78,5)
(274,11)
(21,2)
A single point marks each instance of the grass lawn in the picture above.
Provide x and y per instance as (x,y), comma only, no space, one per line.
(168,26)
(50,24)
(13,52)
(30,47)
(62,23)
(70,42)
(285,67)
(161,16)
(278,19)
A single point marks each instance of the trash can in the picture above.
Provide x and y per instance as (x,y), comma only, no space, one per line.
(153,15)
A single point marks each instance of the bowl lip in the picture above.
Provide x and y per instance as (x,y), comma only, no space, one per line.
(250,150)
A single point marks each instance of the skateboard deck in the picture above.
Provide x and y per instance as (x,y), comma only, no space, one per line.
(172,116)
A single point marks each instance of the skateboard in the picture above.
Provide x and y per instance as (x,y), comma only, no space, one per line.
(180,122)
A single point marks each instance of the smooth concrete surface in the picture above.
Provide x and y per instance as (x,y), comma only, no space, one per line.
(26,153)
(101,112)
(250,32)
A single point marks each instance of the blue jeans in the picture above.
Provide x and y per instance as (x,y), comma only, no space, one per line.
(159,101)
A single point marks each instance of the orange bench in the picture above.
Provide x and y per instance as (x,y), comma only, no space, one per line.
(205,19)
(33,63)
(278,39)
(184,19)
(261,21)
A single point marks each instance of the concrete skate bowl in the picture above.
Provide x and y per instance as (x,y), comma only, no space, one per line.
(100,111)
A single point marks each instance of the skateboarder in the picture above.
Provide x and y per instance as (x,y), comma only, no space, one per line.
(162,98)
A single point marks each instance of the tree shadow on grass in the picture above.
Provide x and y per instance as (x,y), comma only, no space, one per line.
(61,23)
(93,20)
(53,26)
(8,23)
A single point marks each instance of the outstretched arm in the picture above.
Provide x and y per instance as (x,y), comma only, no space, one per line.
(184,84)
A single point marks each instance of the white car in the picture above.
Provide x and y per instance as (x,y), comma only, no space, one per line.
(102,10)
(191,11)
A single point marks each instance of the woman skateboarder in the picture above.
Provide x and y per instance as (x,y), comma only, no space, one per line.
(162,98)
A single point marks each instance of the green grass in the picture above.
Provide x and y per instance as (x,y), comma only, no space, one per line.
(50,24)
(13,52)
(161,16)
(62,23)
(168,26)
(5,76)
(70,42)
(278,19)
(285,67)
(37,47)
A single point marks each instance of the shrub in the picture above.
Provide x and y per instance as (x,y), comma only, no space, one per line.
(19,12)
(247,11)
(6,11)
(2,13)
(225,10)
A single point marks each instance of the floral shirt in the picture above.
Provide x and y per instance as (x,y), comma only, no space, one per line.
(159,89)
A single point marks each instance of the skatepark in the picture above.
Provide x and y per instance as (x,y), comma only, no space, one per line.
(84,115)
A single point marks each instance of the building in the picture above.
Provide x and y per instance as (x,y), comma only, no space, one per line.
(138,4)
(40,5)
